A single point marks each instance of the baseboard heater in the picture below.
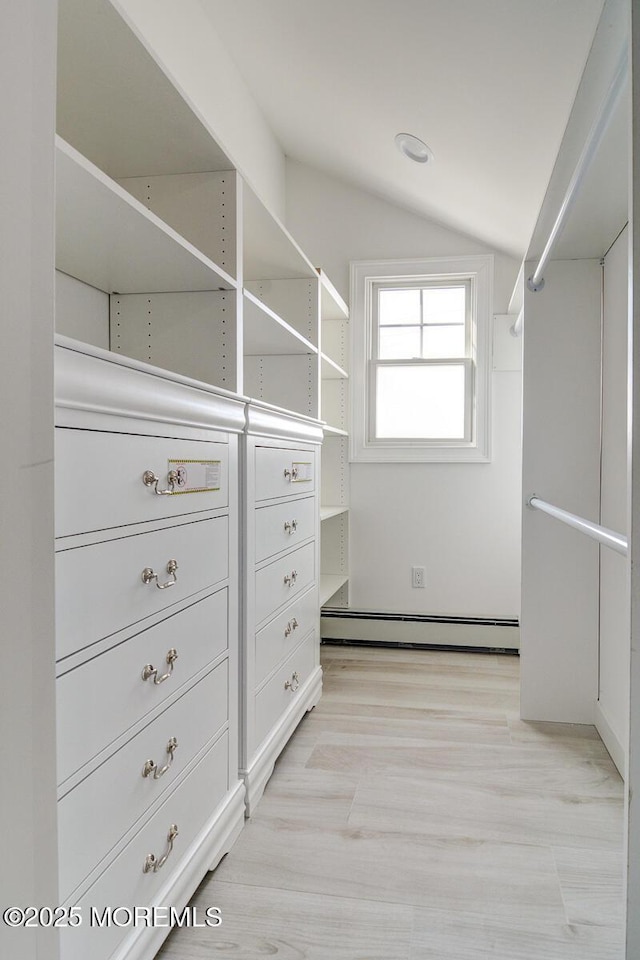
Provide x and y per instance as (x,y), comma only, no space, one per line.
(415,630)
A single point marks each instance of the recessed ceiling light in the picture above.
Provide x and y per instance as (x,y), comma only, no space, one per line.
(413,148)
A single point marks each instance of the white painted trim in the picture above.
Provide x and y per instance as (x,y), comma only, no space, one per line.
(257,775)
(363,275)
(268,421)
(610,739)
(414,632)
(92,381)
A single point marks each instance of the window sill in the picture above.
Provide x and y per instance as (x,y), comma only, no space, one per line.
(419,454)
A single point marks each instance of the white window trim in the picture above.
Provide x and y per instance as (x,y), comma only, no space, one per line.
(364,275)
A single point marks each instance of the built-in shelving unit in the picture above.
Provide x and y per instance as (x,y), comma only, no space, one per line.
(172,266)
(330,369)
(269,250)
(108,239)
(330,585)
(265,332)
(327,512)
(334,512)
(202,278)
(196,275)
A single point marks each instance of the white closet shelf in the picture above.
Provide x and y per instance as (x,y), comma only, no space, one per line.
(330,583)
(332,306)
(109,240)
(270,252)
(327,512)
(330,431)
(331,370)
(117,105)
(267,334)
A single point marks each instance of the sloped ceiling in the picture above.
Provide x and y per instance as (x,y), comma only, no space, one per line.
(487,84)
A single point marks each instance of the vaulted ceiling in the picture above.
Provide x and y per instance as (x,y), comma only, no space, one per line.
(487,84)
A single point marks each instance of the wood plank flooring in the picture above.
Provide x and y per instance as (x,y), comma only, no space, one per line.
(413,816)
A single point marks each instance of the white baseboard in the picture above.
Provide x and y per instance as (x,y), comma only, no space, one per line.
(386,628)
(610,739)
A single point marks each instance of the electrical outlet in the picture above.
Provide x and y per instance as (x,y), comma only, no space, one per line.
(417,577)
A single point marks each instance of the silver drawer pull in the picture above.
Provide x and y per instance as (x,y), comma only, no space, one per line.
(151,671)
(152,768)
(151,863)
(150,480)
(292,684)
(290,580)
(290,627)
(291,474)
(149,575)
(290,526)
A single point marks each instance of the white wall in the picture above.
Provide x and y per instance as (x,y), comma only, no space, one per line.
(28,871)
(461,521)
(612,714)
(633,782)
(561,464)
(187,44)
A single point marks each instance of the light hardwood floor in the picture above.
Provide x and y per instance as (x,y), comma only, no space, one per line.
(413,816)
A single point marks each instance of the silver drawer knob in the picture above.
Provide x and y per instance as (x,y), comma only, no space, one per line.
(148,575)
(151,671)
(290,627)
(292,684)
(151,863)
(152,768)
(150,480)
(291,578)
(290,526)
(291,474)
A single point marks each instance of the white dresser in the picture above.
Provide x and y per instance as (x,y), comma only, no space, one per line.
(149,796)
(282,678)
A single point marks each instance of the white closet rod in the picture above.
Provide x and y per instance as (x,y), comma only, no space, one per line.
(536,281)
(516,327)
(609,538)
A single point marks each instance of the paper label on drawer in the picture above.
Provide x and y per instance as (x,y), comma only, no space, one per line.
(196,476)
(302,472)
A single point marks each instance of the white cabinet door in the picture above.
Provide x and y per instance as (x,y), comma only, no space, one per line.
(274,643)
(281,691)
(100,479)
(282,580)
(124,883)
(100,588)
(99,701)
(284,472)
(95,815)
(283,526)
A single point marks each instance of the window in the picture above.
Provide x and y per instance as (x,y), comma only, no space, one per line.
(420,343)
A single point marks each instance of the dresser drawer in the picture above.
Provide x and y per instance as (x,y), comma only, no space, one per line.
(281,691)
(275,641)
(100,700)
(284,525)
(124,883)
(100,588)
(283,473)
(283,579)
(99,479)
(103,807)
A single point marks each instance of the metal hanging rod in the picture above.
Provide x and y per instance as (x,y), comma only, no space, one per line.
(609,538)
(516,327)
(536,280)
